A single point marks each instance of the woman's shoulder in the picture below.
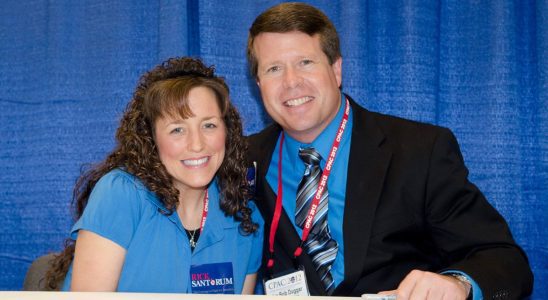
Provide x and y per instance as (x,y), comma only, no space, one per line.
(119,178)
(126,185)
(119,185)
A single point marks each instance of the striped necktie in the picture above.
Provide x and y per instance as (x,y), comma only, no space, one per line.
(319,245)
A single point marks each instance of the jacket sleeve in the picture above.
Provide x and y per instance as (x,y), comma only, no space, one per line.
(468,231)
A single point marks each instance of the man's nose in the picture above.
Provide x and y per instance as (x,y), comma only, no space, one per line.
(292,78)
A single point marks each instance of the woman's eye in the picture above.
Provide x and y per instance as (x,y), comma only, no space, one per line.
(210,125)
(177,130)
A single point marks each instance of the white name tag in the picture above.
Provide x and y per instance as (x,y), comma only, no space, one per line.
(292,284)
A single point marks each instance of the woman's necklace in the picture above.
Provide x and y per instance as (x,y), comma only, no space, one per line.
(193,235)
(192,238)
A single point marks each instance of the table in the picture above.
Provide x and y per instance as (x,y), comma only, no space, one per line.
(4,295)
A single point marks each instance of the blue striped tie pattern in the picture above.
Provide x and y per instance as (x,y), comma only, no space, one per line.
(319,245)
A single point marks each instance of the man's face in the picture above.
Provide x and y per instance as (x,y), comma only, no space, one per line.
(300,89)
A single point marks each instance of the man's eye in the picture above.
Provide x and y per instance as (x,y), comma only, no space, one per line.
(273,69)
(305,62)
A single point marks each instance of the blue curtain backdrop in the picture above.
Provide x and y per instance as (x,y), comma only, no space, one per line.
(68,68)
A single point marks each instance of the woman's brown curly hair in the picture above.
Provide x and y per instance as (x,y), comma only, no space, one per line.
(163,91)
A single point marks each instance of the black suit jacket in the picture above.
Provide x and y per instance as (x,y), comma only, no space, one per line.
(409,205)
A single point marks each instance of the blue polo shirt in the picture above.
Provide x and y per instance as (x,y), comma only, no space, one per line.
(158,257)
(293,170)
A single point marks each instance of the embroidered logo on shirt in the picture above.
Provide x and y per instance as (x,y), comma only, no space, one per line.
(214,278)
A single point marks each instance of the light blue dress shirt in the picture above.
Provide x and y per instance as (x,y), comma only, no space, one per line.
(293,170)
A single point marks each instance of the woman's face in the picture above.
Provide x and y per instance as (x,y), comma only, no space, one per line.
(193,149)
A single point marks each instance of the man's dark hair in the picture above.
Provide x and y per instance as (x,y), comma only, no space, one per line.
(294,16)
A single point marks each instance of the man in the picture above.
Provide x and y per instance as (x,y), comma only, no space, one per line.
(394,212)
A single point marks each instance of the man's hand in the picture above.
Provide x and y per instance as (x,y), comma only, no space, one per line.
(419,285)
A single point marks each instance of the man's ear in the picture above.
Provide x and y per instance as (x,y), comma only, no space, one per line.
(337,69)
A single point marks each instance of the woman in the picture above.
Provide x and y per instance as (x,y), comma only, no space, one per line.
(167,210)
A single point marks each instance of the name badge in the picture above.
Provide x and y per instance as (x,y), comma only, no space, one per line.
(214,278)
(292,284)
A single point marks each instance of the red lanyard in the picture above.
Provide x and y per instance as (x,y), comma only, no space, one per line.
(315,202)
(204,211)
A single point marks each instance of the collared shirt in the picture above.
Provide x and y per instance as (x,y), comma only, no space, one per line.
(158,256)
(293,170)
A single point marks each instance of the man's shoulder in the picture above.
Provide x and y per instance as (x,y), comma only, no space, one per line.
(391,122)
(396,125)
(398,132)
(266,133)
(263,141)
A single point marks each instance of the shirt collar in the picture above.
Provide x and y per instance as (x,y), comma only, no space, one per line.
(214,209)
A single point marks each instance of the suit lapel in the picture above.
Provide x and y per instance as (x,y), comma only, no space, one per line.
(368,163)
(286,235)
